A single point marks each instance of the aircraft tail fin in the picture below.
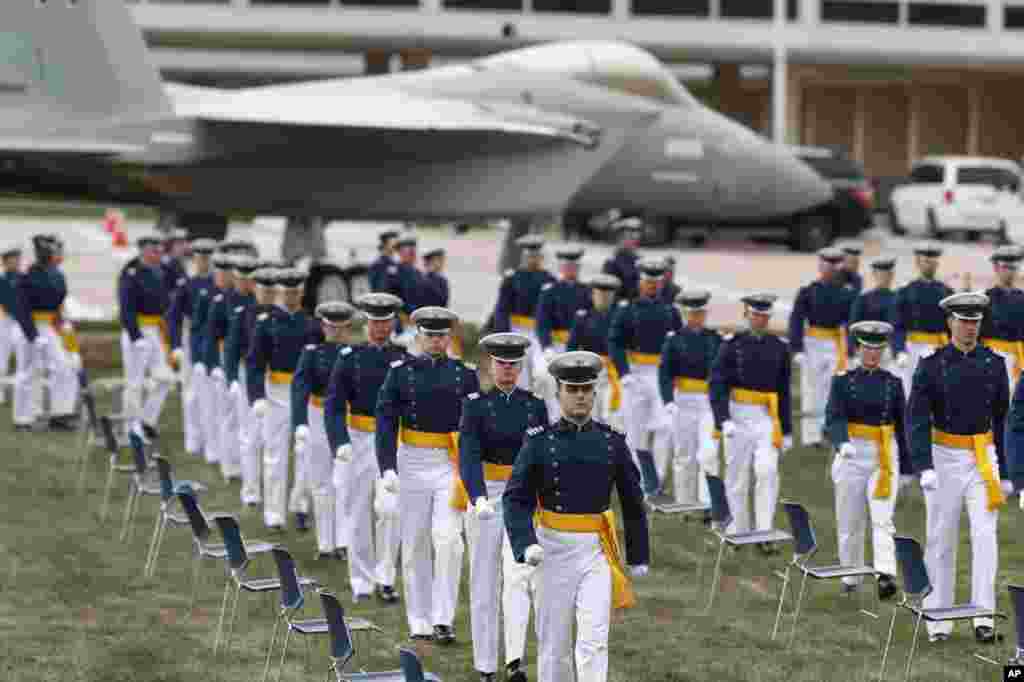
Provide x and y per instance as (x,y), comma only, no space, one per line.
(74,65)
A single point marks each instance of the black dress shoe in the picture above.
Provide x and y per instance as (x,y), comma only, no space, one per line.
(421,638)
(387,594)
(488,677)
(768,548)
(325,556)
(444,634)
(22,427)
(276,530)
(150,432)
(341,554)
(62,424)
(513,673)
(301,522)
(886,587)
(986,635)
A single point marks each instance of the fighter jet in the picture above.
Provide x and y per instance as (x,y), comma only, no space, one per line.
(563,128)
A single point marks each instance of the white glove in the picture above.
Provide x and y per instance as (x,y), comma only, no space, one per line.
(787,443)
(260,407)
(1021,502)
(76,361)
(905,480)
(39,342)
(728,428)
(847,449)
(385,504)
(344,453)
(235,389)
(853,362)
(638,571)
(798,358)
(627,381)
(671,410)
(390,481)
(534,554)
(140,343)
(217,373)
(929,481)
(902,359)
(199,367)
(1007,487)
(301,436)
(484,509)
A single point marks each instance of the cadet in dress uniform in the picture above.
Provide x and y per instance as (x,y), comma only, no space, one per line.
(683,374)
(1002,330)
(172,262)
(635,340)
(237,406)
(848,274)
(750,398)
(420,404)
(183,303)
(224,424)
(144,299)
(557,305)
(211,390)
(435,292)
(236,348)
(919,323)
(864,420)
(406,282)
(277,342)
(516,307)
(568,470)
(955,420)
(669,291)
(623,263)
(11,338)
(490,437)
(379,268)
(590,332)
(875,304)
(40,302)
(308,391)
(824,307)
(367,514)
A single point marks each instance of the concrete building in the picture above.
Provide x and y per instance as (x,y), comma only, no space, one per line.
(890,80)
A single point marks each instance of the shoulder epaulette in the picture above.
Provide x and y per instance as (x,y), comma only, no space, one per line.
(582,312)
(509,272)
(310,346)
(535,431)
(239,308)
(728,337)
(623,303)
(609,427)
(346,350)
(473,396)
(182,281)
(130,272)
(392,269)
(398,363)
(547,286)
(670,335)
(218,297)
(262,316)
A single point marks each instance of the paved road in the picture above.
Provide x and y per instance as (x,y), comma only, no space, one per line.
(727,268)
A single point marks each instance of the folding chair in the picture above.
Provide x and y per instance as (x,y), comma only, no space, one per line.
(138,487)
(166,515)
(237,555)
(340,627)
(805,546)
(412,669)
(917,586)
(114,448)
(292,600)
(721,517)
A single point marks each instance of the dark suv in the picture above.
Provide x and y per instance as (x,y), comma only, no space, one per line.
(853,202)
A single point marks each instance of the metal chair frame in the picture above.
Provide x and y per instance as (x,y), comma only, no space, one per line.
(166,515)
(114,448)
(138,487)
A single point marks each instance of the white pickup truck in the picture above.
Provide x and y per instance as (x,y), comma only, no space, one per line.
(968,194)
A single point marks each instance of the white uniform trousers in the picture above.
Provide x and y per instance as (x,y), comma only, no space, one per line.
(21,360)
(696,450)
(206,395)
(48,358)
(645,418)
(301,493)
(428,523)
(227,419)
(344,523)
(189,405)
(525,380)
(821,357)
(10,333)
(915,351)
(750,449)
(320,478)
(277,430)
(960,483)
(574,586)
(250,442)
(151,360)
(372,539)
(855,478)
(492,571)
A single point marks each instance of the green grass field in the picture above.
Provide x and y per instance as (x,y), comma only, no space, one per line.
(74,606)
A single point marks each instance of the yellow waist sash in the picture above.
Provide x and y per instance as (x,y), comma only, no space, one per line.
(691,385)
(44,316)
(316,400)
(883,437)
(1014,349)
(930,338)
(362,422)
(768,399)
(603,524)
(447,441)
(643,358)
(69,340)
(497,472)
(977,444)
(524,321)
(281,377)
(560,336)
(614,384)
(165,336)
(836,334)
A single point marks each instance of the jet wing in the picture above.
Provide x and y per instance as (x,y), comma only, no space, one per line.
(67,146)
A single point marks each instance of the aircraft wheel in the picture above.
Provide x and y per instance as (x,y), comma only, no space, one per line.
(811,232)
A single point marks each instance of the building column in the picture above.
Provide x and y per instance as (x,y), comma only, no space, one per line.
(860,125)
(974,114)
(377,62)
(415,58)
(913,125)
(780,93)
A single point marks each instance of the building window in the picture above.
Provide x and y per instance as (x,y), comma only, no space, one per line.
(496,5)
(747,9)
(860,12)
(679,8)
(1013,17)
(961,16)
(307,3)
(793,9)
(573,6)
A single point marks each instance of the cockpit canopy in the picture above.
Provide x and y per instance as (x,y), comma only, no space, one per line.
(616,66)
